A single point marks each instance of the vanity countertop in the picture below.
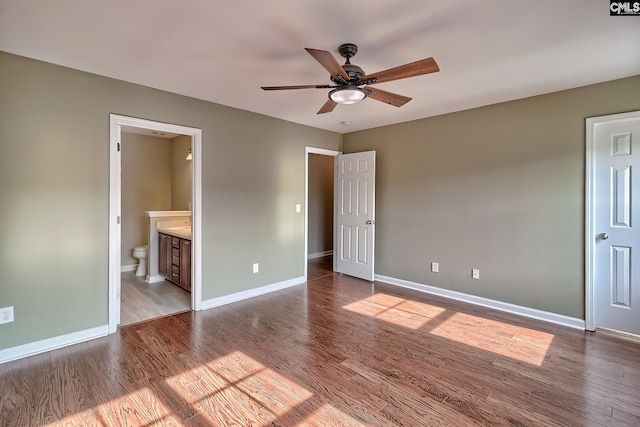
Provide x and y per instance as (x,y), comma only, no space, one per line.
(182,232)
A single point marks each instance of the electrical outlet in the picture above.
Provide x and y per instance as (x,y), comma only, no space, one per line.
(255,267)
(6,315)
(475,273)
(435,267)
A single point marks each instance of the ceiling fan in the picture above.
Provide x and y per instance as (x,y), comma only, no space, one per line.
(349,78)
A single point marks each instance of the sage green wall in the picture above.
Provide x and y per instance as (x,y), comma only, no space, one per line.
(320,204)
(54,197)
(181,173)
(146,186)
(498,188)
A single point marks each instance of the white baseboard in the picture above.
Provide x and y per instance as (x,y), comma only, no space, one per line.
(239,296)
(125,268)
(319,254)
(533,313)
(155,279)
(37,347)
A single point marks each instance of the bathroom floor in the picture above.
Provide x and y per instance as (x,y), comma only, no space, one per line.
(143,301)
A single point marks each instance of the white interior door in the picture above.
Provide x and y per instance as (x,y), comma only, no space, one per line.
(355,214)
(613,223)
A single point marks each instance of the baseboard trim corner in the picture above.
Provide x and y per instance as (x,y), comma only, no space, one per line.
(558,319)
(250,293)
(154,279)
(54,343)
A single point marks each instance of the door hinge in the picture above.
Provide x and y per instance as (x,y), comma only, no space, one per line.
(118,219)
(118,146)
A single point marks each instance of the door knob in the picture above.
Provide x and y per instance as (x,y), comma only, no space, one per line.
(369,222)
(603,236)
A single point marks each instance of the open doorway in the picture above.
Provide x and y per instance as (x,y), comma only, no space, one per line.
(125,230)
(320,210)
(156,177)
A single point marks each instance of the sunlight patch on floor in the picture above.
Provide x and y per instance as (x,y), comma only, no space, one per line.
(400,311)
(236,390)
(139,408)
(231,390)
(527,345)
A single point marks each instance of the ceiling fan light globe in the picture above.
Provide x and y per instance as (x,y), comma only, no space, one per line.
(348,95)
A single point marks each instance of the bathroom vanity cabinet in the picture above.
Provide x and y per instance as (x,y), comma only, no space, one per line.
(175,260)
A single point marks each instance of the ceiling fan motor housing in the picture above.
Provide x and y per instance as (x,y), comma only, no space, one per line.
(353,71)
(347,51)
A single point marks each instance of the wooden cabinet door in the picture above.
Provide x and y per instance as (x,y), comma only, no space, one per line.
(162,258)
(167,259)
(185,264)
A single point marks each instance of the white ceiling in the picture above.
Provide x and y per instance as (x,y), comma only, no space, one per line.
(223,51)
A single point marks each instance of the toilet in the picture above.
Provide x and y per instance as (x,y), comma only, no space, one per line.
(140,253)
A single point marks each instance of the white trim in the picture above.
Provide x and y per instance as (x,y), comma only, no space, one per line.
(590,213)
(320,254)
(533,313)
(589,217)
(116,122)
(115,239)
(196,221)
(54,343)
(131,267)
(155,279)
(250,293)
(159,214)
(313,150)
(323,151)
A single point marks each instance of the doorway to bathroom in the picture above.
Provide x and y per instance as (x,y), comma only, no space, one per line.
(154,167)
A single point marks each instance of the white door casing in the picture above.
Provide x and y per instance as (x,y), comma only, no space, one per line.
(116,122)
(324,152)
(613,222)
(355,214)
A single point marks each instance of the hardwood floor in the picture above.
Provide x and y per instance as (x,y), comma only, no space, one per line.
(319,267)
(336,351)
(142,301)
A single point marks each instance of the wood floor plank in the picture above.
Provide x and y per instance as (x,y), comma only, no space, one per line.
(336,351)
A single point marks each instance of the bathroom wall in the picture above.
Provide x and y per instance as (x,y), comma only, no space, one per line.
(320,237)
(146,186)
(181,174)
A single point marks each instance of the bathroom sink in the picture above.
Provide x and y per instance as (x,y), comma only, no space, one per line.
(182,231)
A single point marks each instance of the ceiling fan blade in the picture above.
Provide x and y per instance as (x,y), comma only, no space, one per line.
(297,87)
(387,97)
(327,60)
(417,68)
(328,107)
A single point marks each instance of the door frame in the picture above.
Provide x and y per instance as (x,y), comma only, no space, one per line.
(326,152)
(116,122)
(590,212)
